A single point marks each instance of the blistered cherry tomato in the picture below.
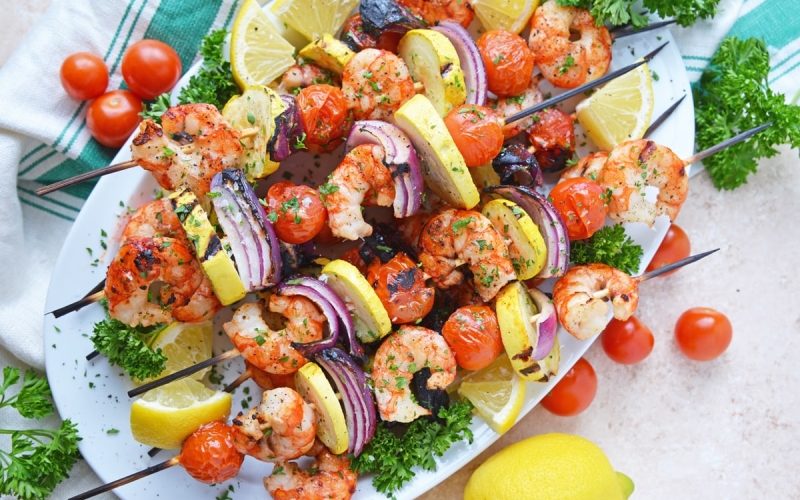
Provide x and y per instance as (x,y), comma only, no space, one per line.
(573,393)
(674,247)
(400,285)
(296,212)
(703,333)
(353,257)
(553,137)
(209,455)
(627,342)
(112,117)
(355,37)
(84,76)
(150,68)
(581,203)
(508,61)
(325,117)
(473,334)
(476,132)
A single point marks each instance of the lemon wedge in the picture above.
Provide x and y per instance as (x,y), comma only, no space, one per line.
(509,15)
(619,111)
(312,384)
(259,54)
(314,18)
(184,345)
(164,417)
(526,246)
(497,393)
(254,109)
(369,316)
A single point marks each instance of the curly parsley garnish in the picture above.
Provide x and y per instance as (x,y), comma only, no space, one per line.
(611,246)
(619,12)
(126,346)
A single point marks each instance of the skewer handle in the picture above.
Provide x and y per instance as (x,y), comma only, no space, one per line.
(79,304)
(675,265)
(183,373)
(128,479)
(85,177)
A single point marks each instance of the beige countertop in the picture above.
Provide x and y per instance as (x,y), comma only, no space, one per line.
(727,429)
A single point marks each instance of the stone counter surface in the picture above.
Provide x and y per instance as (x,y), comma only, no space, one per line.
(726,429)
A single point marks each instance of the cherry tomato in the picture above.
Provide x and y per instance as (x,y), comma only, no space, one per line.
(703,333)
(508,61)
(84,76)
(400,285)
(553,137)
(353,257)
(627,342)
(296,212)
(325,117)
(573,393)
(582,205)
(151,68)
(674,247)
(209,455)
(112,117)
(473,334)
(476,132)
(355,37)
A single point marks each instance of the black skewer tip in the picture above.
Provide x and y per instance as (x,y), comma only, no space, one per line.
(652,54)
(675,265)
(666,114)
(627,29)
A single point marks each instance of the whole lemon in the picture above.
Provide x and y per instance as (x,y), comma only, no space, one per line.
(548,467)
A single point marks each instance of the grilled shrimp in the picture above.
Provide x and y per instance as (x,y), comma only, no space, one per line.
(508,106)
(328,477)
(302,75)
(271,350)
(433,11)
(281,428)
(634,165)
(400,355)
(376,83)
(455,237)
(361,178)
(588,166)
(216,147)
(563,62)
(153,219)
(184,294)
(581,298)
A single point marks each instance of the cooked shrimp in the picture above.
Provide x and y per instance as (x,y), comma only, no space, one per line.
(588,166)
(563,62)
(271,350)
(455,237)
(433,11)
(581,298)
(376,83)
(328,477)
(303,75)
(634,165)
(153,219)
(401,354)
(508,106)
(281,428)
(142,262)
(360,179)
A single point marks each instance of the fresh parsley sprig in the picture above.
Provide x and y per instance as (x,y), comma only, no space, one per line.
(733,95)
(214,83)
(609,245)
(393,457)
(126,346)
(39,459)
(620,12)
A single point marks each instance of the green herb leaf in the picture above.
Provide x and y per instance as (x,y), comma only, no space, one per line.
(611,246)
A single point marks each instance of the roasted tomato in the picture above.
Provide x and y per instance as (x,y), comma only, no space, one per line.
(553,138)
(477,133)
(582,204)
(209,454)
(297,212)
(325,117)
(433,11)
(472,332)
(400,285)
(508,61)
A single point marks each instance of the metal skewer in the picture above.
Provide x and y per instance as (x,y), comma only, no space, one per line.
(627,29)
(675,265)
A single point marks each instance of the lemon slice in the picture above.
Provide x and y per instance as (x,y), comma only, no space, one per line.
(370,317)
(164,417)
(509,15)
(316,390)
(514,308)
(254,109)
(526,247)
(497,393)
(619,111)
(259,54)
(184,345)
(314,18)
